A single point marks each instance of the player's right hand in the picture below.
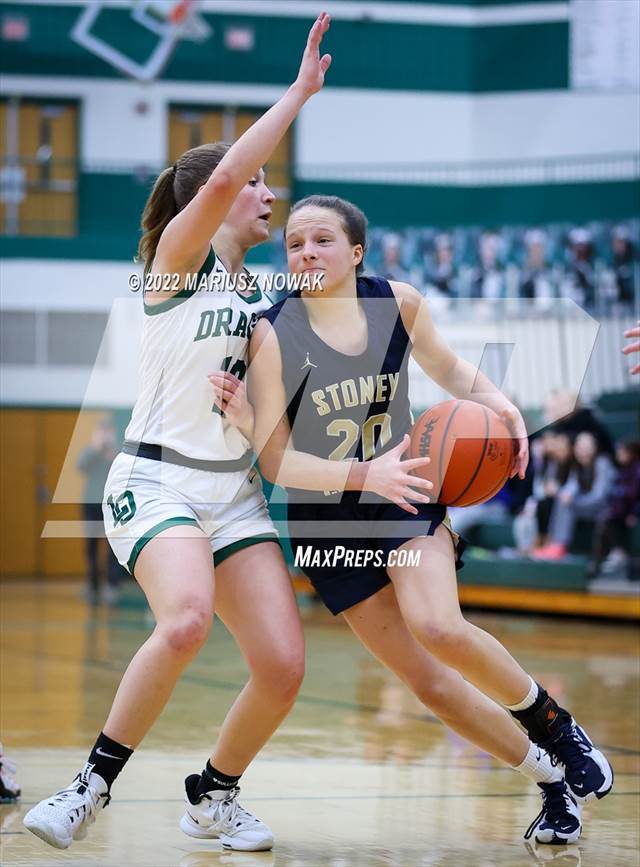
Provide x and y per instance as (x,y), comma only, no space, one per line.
(313,67)
(391,477)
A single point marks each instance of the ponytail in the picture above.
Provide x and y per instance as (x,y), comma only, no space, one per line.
(160,209)
(173,190)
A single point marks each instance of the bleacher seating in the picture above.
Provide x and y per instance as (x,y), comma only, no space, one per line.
(596,281)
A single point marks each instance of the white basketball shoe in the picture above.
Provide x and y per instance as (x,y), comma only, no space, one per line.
(218,815)
(67,815)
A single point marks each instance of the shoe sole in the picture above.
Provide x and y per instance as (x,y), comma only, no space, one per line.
(238,846)
(46,833)
(188,827)
(560,841)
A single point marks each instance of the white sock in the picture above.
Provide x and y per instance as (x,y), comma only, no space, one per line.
(529,698)
(537,766)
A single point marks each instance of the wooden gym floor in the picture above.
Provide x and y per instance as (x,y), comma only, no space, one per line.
(359,774)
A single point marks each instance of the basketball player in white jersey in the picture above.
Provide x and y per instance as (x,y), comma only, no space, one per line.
(181,502)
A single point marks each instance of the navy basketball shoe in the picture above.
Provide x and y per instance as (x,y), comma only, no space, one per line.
(559,820)
(587,771)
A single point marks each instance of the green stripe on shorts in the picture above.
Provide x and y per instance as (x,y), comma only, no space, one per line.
(151,533)
(223,553)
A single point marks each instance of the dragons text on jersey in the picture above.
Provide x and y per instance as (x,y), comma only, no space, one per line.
(187,337)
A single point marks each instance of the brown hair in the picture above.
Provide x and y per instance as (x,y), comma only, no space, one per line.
(172,191)
(353,219)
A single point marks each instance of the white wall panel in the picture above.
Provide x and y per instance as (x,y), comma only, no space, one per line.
(342,127)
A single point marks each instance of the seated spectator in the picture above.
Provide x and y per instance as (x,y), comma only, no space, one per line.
(441,275)
(536,280)
(488,278)
(623,261)
(551,463)
(584,495)
(621,514)
(392,268)
(580,278)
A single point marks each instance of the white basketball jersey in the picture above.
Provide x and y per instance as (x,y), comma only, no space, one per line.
(199,331)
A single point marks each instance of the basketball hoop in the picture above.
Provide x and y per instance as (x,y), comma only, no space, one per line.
(180,18)
(180,12)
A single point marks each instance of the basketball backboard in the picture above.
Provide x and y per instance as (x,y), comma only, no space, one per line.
(169,20)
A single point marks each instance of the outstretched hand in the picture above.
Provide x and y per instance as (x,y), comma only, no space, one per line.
(312,66)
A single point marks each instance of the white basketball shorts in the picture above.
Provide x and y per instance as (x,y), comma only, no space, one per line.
(143,497)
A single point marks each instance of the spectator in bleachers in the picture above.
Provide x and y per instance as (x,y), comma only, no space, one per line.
(623,262)
(488,278)
(446,261)
(584,495)
(441,274)
(551,462)
(536,280)
(392,267)
(622,512)
(579,283)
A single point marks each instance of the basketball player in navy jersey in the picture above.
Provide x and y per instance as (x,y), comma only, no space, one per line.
(330,391)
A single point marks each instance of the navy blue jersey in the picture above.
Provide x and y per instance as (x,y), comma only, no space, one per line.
(345,406)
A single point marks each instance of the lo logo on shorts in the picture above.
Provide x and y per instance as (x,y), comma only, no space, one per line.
(123,508)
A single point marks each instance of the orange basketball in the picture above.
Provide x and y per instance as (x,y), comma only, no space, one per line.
(471,451)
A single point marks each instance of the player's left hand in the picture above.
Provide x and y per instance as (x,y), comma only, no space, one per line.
(512,417)
(313,67)
(230,396)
